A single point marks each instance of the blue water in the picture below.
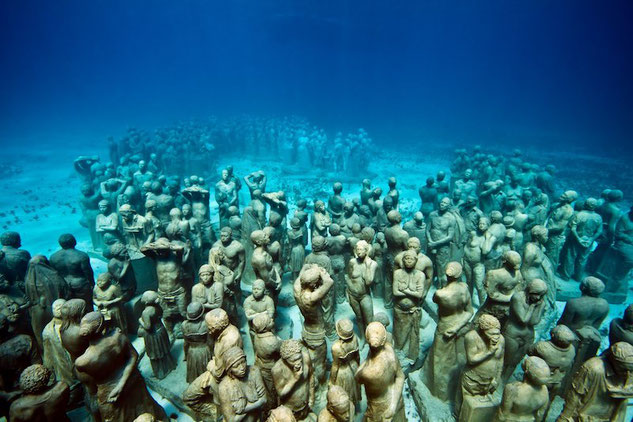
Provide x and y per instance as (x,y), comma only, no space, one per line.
(489,72)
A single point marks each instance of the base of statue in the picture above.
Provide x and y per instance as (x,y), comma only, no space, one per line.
(429,407)
(479,409)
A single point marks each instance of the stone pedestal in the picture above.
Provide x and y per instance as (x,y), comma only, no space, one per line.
(478,409)
(429,408)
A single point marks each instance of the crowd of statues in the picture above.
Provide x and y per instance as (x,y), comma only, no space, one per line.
(482,258)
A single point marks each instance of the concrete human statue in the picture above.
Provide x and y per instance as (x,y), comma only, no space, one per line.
(382,378)
(345,360)
(409,290)
(585,227)
(281,414)
(446,359)
(266,345)
(320,220)
(142,175)
(292,376)
(258,303)
(14,261)
(526,311)
(202,394)
(393,191)
(256,181)
(40,401)
(484,347)
(42,286)
(154,222)
(366,191)
(601,388)
(338,247)
(466,185)
(227,189)
(339,407)
(107,221)
(478,245)
(297,246)
(169,258)
(262,263)
(89,205)
(396,239)
(74,266)
(178,229)
(242,394)
(558,225)
(335,203)
(428,196)
(121,270)
(471,214)
(195,235)
(558,353)
(500,285)
(497,234)
(621,329)
(197,347)
(440,233)
(526,400)
(209,291)
(381,220)
(361,271)
(442,185)
(110,362)
(135,229)
(54,356)
(536,264)
(155,336)
(416,227)
(234,258)
(108,299)
(320,257)
(310,289)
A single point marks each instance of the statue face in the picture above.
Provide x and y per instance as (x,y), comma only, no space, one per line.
(225,175)
(206,277)
(409,261)
(103,282)
(239,368)
(258,291)
(483,225)
(296,362)
(444,204)
(225,236)
(492,335)
(361,252)
(186,210)
(103,208)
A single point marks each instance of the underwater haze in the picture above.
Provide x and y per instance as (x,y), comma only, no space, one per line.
(509,73)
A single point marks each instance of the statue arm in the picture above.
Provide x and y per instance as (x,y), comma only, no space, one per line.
(578,393)
(239,270)
(324,288)
(218,297)
(509,396)
(130,365)
(521,310)
(473,355)
(260,389)
(370,274)
(397,387)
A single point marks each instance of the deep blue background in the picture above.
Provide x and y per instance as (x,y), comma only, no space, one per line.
(467,71)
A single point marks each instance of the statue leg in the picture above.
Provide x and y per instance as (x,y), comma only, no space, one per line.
(367,310)
(479,274)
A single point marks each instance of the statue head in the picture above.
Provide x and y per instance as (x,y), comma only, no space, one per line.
(483,224)
(512,260)
(338,403)
(409,259)
(292,354)
(259,288)
(319,243)
(149,297)
(56,308)
(104,280)
(418,217)
(195,310)
(361,249)
(568,197)
(345,329)
(126,212)
(263,323)
(591,286)
(11,239)
(382,318)
(186,210)
(104,206)
(468,174)
(393,216)
(591,204)
(562,336)
(225,175)
(310,276)
(319,206)
(91,325)
(392,182)
(441,175)
(302,204)
(67,241)
(376,193)
(621,357)
(387,204)
(235,361)
(142,165)
(217,320)
(615,195)
(496,217)
(429,182)
(337,187)
(34,379)
(489,328)
(226,235)
(366,183)
(376,335)
(367,234)
(281,414)
(540,234)
(536,370)
(334,229)
(205,274)
(535,290)
(445,204)
(295,223)
(413,243)
(260,238)
(453,271)
(73,310)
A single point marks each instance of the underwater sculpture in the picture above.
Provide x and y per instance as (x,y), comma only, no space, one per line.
(345,361)
(74,266)
(155,335)
(292,376)
(40,401)
(361,271)
(197,347)
(440,234)
(526,400)
(108,299)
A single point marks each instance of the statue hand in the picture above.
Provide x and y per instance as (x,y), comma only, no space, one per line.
(114,394)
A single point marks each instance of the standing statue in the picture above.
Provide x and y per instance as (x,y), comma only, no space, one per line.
(345,361)
(484,361)
(292,376)
(40,402)
(258,303)
(136,231)
(526,400)
(409,290)
(584,228)
(526,310)
(266,345)
(382,377)
(337,248)
(335,203)
(155,336)
(297,247)
(361,271)
(226,189)
(107,221)
(446,359)
(242,394)
(558,225)
(75,267)
(108,299)
(14,261)
(536,264)
(169,258)
(209,292)
(312,286)
(500,285)
(621,329)
(478,246)
(43,285)
(55,357)
(110,362)
(396,239)
(320,220)
(234,258)
(601,388)
(262,263)
(319,256)
(121,270)
(197,347)
(440,234)
(256,181)
(428,197)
